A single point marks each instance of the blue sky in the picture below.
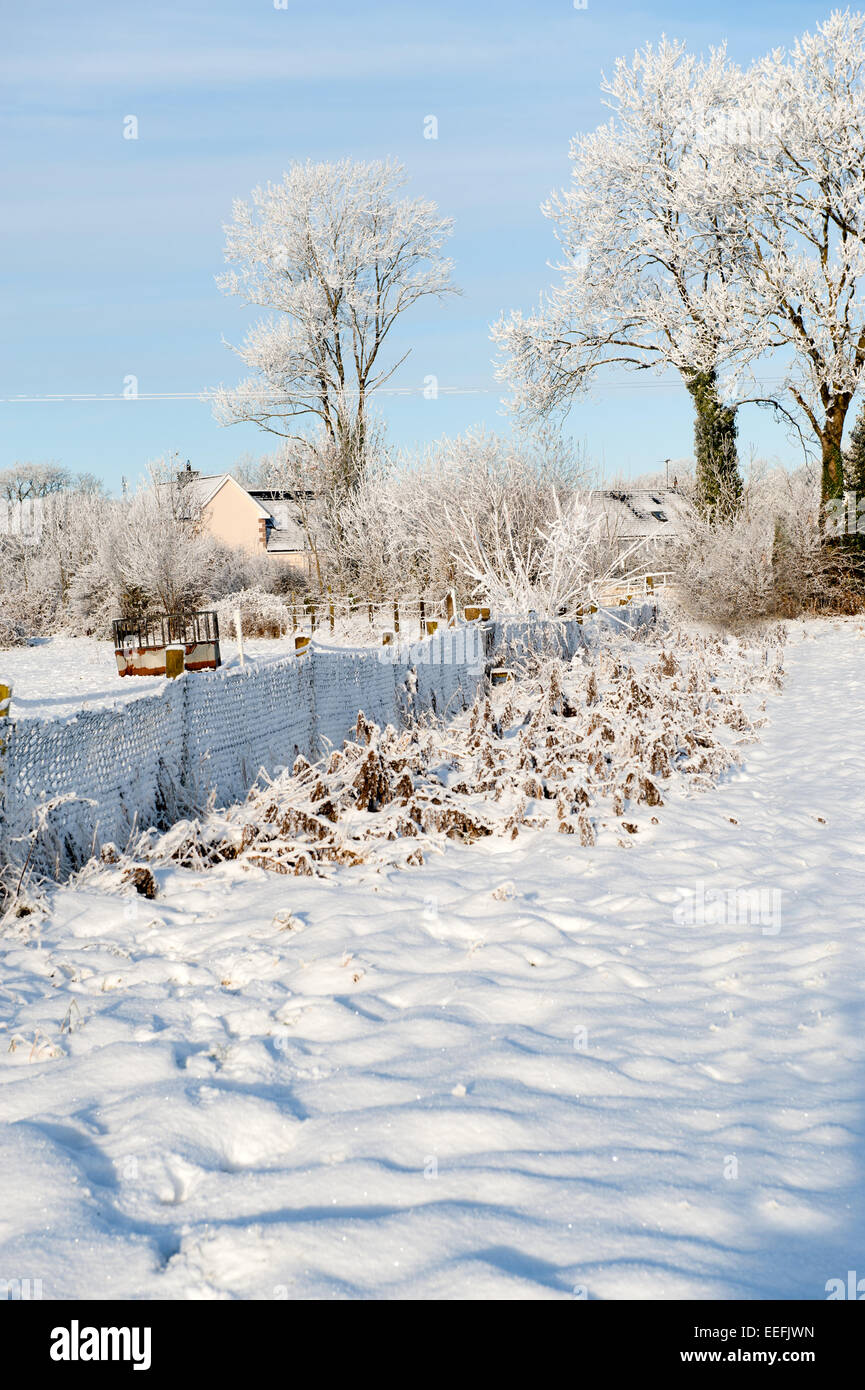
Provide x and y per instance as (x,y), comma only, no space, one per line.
(111,246)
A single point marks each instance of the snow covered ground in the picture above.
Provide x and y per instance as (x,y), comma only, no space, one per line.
(57,676)
(527,1069)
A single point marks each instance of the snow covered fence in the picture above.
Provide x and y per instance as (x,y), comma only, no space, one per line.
(69,786)
(565,637)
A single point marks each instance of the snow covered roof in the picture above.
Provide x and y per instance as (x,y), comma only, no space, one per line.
(277,506)
(645,513)
(286,533)
(206,488)
(280,540)
(202,488)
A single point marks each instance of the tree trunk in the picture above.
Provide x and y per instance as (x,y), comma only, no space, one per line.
(840,529)
(719,485)
(832,476)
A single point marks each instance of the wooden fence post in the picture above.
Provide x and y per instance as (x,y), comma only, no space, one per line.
(175,660)
(5,702)
(238,627)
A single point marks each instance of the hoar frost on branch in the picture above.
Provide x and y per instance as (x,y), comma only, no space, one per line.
(557,572)
(398,529)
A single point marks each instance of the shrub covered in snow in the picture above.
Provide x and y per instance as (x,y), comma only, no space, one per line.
(262,614)
(12,631)
(553,572)
(411,522)
(768,559)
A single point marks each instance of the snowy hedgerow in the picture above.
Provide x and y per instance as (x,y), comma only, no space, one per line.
(12,632)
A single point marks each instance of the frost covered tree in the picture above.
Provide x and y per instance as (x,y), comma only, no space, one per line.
(53,523)
(27,491)
(335,256)
(71,522)
(649,279)
(25,481)
(800,224)
(156,552)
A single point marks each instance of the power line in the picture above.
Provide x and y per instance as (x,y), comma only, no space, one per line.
(203,396)
(85,397)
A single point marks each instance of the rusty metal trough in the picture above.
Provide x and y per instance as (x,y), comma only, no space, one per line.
(140,642)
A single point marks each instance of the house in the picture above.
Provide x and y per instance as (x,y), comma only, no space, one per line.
(260,520)
(653,519)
